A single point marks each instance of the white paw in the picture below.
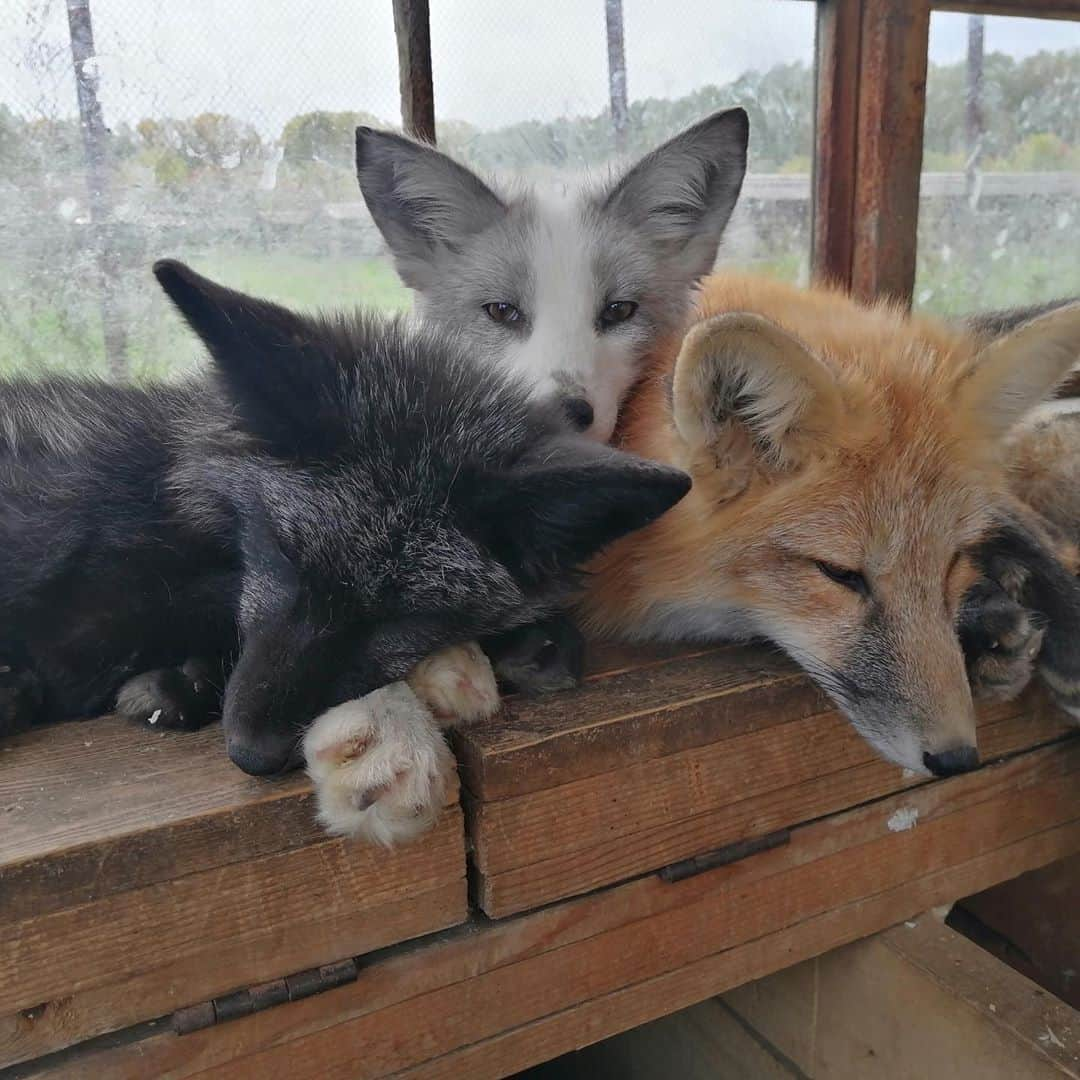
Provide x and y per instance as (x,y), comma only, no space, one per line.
(379,765)
(457,684)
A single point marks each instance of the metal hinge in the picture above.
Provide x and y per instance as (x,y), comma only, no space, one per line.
(264,996)
(686,868)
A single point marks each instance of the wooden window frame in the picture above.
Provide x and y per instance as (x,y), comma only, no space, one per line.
(868,139)
(871,108)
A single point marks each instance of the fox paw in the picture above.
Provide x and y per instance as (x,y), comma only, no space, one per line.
(21,698)
(1002,648)
(457,684)
(177,698)
(380,766)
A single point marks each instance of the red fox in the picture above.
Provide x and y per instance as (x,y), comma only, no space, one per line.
(845,460)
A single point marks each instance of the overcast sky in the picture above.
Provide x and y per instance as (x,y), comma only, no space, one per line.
(495,61)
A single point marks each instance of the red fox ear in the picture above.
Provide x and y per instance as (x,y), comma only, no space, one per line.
(751,394)
(1015,373)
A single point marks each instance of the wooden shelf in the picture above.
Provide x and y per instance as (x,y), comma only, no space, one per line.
(141,872)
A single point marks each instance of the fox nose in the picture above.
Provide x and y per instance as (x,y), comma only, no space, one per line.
(263,760)
(950,762)
(579,412)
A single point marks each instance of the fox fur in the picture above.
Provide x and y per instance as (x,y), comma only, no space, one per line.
(335,499)
(567,286)
(847,460)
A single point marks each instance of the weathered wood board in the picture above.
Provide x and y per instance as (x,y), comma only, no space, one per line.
(671,757)
(487,999)
(141,872)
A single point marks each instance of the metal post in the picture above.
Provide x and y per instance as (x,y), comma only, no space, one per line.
(95,149)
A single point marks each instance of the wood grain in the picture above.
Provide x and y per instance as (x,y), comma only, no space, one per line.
(412,28)
(1027,9)
(96,807)
(491,998)
(633,715)
(839,30)
(78,972)
(564,840)
(1038,917)
(919,999)
(892,107)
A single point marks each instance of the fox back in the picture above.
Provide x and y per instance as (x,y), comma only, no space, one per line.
(845,459)
(337,498)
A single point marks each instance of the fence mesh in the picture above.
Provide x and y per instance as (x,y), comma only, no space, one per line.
(227,140)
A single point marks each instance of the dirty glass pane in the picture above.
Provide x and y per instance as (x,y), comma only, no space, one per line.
(225,138)
(999,217)
(539,102)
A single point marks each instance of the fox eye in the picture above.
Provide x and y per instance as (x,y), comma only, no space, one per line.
(616,312)
(850,579)
(501,312)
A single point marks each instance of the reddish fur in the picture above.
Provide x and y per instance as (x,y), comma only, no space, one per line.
(894,476)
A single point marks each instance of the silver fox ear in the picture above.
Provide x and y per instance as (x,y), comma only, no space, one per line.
(682,194)
(748,395)
(421,200)
(1019,371)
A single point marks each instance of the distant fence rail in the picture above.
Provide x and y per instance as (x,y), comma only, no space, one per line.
(795,187)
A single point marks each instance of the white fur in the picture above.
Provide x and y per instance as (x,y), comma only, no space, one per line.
(564,355)
(379,765)
(457,684)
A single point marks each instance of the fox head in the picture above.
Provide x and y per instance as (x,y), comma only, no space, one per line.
(844,459)
(389,497)
(568,290)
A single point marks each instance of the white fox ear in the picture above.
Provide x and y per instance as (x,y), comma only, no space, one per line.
(752,395)
(1015,373)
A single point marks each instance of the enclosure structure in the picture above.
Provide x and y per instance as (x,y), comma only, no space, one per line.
(688,821)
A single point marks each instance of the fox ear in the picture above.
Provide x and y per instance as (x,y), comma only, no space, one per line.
(556,511)
(750,395)
(1019,371)
(267,356)
(421,200)
(682,194)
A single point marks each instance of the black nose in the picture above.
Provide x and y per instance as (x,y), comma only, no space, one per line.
(579,412)
(267,760)
(951,762)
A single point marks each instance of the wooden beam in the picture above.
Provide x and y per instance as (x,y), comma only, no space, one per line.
(1037,919)
(1027,9)
(835,130)
(493,998)
(412,27)
(917,1000)
(892,107)
(165,877)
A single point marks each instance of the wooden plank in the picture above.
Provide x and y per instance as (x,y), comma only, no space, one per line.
(491,998)
(892,106)
(569,838)
(603,1017)
(919,999)
(839,31)
(1027,9)
(705,1042)
(147,807)
(78,972)
(1038,917)
(633,714)
(412,28)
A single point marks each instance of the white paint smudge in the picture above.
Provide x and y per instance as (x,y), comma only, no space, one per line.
(903,819)
(1051,1038)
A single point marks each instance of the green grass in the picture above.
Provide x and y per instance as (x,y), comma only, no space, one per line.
(54,324)
(42,332)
